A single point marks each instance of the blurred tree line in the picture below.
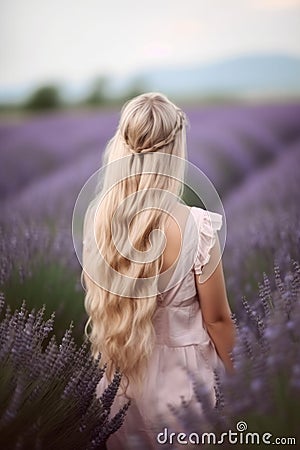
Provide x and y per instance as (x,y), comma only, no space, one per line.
(44,97)
(100,94)
(50,96)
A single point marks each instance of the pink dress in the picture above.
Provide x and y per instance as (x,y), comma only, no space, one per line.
(181,342)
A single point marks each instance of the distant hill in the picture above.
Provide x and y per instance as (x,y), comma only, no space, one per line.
(244,74)
(259,74)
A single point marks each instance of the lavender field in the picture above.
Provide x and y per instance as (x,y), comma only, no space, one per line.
(252,156)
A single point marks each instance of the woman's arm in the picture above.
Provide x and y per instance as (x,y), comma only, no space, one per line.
(215,307)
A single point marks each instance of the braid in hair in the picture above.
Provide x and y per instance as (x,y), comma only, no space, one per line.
(178,126)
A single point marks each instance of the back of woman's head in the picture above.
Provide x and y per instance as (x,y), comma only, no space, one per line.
(122,256)
(149,123)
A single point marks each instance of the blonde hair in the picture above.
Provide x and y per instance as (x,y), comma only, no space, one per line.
(143,161)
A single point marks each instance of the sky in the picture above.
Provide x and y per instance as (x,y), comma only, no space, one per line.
(77,39)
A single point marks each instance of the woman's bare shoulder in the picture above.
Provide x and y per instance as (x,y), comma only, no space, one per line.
(174,235)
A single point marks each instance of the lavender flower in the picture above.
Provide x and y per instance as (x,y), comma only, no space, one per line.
(48,396)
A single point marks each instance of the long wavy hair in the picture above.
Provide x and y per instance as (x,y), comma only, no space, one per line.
(122,245)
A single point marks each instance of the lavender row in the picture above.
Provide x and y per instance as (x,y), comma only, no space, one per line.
(38,146)
(227,143)
(263,220)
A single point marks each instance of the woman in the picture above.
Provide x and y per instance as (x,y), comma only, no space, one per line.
(155,290)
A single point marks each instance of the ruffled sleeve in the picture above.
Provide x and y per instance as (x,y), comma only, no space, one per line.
(207,223)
